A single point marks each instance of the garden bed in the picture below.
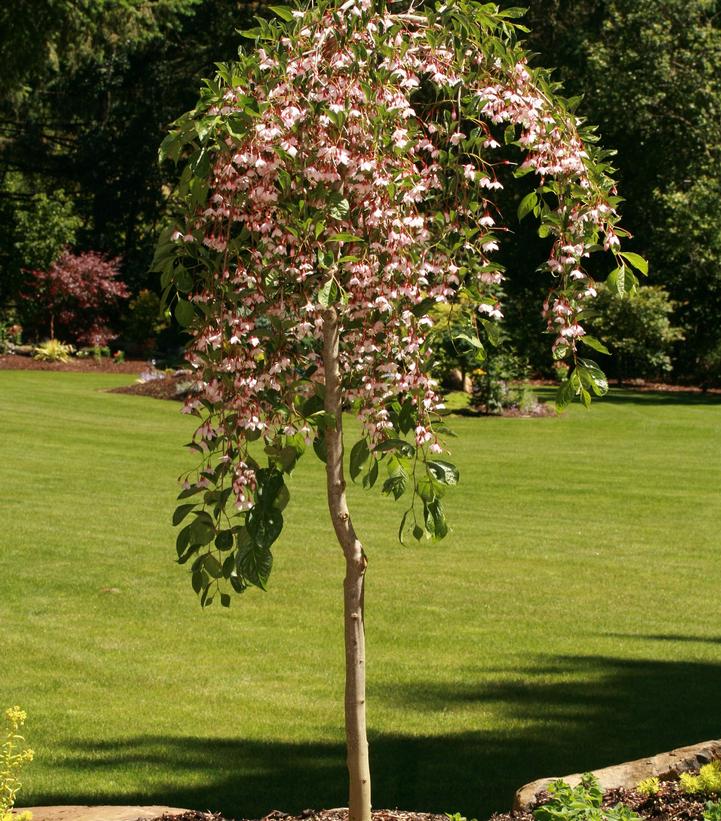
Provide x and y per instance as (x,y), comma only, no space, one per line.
(13,362)
(339,814)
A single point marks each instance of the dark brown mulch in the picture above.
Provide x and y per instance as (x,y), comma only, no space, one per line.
(669,804)
(340,814)
(170,386)
(14,362)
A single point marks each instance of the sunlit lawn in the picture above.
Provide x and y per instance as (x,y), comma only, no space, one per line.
(571,620)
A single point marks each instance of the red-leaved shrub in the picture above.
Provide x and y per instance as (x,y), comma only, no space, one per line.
(76,293)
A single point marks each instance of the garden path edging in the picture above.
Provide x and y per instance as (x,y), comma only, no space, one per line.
(628,775)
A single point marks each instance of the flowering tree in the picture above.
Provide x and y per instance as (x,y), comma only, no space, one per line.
(76,291)
(338,183)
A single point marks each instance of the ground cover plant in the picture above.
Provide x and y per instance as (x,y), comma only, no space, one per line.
(690,797)
(539,644)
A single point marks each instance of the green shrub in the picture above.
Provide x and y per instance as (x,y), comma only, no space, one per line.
(500,383)
(638,331)
(707,781)
(712,811)
(581,803)
(53,351)
(13,756)
(96,351)
(649,786)
(144,322)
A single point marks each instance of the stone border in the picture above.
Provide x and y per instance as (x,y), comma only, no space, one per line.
(100,813)
(664,766)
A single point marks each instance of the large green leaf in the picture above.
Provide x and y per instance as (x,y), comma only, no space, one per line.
(359,455)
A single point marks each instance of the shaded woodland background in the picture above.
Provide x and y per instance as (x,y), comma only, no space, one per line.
(91,87)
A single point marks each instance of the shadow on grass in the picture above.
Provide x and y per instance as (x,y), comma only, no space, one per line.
(666,398)
(562,715)
(672,637)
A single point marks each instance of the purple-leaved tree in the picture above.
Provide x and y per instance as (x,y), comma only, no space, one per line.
(338,182)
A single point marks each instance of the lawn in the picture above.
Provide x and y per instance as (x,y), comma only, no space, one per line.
(571,620)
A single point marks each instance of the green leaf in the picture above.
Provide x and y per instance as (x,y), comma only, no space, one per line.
(320,447)
(255,565)
(592,376)
(371,477)
(212,566)
(344,237)
(264,525)
(312,405)
(425,488)
(435,519)
(339,209)
(493,332)
(184,312)
(359,455)
(473,341)
(181,512)
(594,343)
(191,491)
(638,262)
(444,472)
(407,416)
(616,281)
(224,540)
(283,12)
(328,294)
(402,525)
(202,531)
(527,204)
(397,483)
(182,540)
(565,394)
(224,600)
(403,447)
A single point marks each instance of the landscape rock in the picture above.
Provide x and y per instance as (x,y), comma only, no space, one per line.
(664,766)
(102,813)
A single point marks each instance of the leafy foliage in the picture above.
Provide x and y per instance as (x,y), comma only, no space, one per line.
(712,811)
(638,330)
(76,293)
(500,383)
(358,183)
(53,351)
(661,63)
(580,803)
(649,786)
(707,780)
(13,756)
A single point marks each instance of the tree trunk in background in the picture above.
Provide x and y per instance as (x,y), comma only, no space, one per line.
(359,801)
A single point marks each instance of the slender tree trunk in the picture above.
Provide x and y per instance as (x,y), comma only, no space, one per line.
(359,801)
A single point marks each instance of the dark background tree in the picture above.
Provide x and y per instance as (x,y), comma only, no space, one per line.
(89,90)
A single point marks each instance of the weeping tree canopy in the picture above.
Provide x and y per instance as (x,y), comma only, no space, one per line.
(345,168)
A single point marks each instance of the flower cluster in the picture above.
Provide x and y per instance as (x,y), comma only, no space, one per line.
(351,162)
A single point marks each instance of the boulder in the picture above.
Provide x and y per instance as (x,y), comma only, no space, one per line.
(664,766)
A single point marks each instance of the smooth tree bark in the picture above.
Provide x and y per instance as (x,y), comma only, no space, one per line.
(359,800)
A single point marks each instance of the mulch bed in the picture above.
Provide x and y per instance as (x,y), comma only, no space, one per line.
(340,814)
(669,804)
(170,386)
(12,362)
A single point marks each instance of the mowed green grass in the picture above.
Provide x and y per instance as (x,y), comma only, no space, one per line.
(571,620)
